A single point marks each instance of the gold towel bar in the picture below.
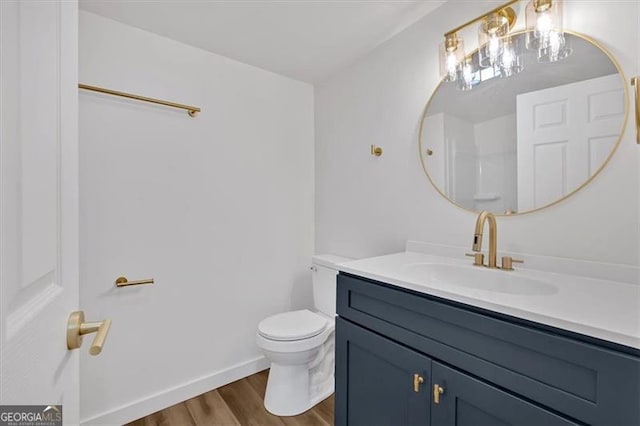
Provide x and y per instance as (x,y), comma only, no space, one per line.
(191,110)
(635,81)
(124,282)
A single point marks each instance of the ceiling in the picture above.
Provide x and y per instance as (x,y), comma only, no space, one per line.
(304,39)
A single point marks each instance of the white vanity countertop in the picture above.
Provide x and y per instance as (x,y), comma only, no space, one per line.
(604,309)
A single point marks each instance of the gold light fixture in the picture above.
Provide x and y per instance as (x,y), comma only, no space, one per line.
(497,50)
(545,35)
(451,54)
(490,33)
(494,25)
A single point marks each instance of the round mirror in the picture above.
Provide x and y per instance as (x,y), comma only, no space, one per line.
(512,143)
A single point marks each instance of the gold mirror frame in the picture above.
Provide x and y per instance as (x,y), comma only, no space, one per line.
(422,150)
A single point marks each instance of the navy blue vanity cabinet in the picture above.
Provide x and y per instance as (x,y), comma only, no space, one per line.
(493,369)
(467,401)
(384,383)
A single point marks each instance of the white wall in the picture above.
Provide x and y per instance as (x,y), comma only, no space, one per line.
(367,206)
(218,209)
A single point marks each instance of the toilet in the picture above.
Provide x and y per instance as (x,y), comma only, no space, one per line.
(300,346)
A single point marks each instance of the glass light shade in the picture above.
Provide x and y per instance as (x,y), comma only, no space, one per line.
(556,50)
(490,34)
(511,61)
(468,74)
(451,55)
(543,19)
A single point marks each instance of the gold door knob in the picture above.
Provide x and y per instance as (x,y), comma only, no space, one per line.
(76,328)
(437,391)
(417,381)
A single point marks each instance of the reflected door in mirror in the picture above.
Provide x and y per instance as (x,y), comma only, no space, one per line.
(565,135)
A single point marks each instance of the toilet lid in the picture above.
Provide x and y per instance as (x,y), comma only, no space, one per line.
(295,325)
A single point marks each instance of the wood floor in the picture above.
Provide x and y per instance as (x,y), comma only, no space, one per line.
(238,403)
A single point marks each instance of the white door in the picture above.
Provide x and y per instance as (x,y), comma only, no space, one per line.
(39,203)
(565,134)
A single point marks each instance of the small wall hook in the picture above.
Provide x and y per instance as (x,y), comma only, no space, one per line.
(376,150)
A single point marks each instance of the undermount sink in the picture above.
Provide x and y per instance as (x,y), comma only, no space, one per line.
(478,278)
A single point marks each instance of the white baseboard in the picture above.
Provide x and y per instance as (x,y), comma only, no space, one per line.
(171,396)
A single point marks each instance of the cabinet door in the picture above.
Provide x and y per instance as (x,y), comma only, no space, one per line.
(466,401)
(375,380)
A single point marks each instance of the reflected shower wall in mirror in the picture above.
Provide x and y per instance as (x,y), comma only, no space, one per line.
(520,143)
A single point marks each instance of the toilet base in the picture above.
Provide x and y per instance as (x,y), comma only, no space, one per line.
(288,392)
(302,372)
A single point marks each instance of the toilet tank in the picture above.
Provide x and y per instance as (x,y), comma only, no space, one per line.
(324,271)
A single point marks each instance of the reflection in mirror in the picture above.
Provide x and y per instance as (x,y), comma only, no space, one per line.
(519,142)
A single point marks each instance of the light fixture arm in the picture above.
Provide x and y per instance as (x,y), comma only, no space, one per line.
(504,9)
(451,42)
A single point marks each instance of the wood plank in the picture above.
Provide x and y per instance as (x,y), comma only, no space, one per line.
(209,409)
(326,409)
(308,418)
(246,405)
(259,382)
(175,415)
(238,403)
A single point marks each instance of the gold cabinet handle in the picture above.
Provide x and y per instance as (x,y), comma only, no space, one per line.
(124,282)
(77,327)
(376,150)
(635,81)
(417,381)
(437,391)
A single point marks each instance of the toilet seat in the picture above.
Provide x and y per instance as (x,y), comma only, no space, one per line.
(292,326)
(300,346)
(293,346)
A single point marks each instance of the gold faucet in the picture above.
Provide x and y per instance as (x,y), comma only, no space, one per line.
(493,238)
(507,261)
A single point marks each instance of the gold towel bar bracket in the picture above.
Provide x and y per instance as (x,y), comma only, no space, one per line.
(635,81)
(191,110)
